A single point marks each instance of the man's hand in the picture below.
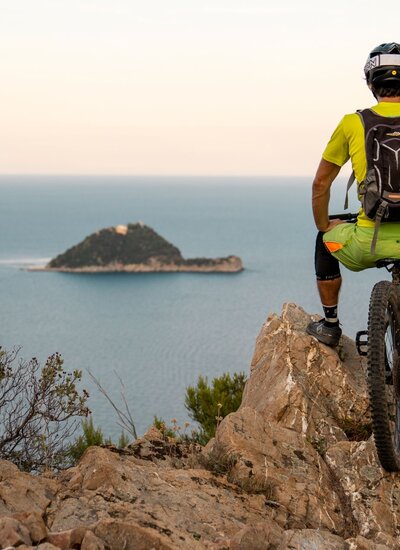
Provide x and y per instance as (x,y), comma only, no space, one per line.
(326,173)
(333,223)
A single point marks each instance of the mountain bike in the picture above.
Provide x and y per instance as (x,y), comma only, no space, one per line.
(381,345)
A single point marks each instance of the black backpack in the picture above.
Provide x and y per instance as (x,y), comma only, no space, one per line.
(380,191)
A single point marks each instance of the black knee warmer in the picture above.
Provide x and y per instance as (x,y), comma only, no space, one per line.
(326,266)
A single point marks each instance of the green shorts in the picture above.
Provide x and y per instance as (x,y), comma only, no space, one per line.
(351,244)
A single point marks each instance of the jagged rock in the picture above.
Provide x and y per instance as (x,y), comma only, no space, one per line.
(13,533)
(68,539)
(289,438)
(312,394)
(33,521)
(153,446)
(308,539)
(179,507)
(131,536)
(374,494)
(293,468)
(261,536)
(21,492)
(361,543)
(91,542)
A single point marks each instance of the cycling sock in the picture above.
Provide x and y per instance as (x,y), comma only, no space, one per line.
(330,313)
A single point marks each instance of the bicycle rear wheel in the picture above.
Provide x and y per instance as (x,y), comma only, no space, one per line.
(383,372)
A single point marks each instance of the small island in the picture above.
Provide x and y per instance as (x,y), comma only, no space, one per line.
(134,248)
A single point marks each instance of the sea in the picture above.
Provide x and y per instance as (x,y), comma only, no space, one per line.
(147,337)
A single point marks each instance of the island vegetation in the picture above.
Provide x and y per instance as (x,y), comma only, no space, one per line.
(134,248)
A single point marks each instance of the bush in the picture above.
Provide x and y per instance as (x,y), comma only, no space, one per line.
(90,437)
(38,410)
(123,441)
(208,405)
(163,428)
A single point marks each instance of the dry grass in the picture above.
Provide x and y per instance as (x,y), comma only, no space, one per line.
(355,430)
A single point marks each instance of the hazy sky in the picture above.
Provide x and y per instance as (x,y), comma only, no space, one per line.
(215,87)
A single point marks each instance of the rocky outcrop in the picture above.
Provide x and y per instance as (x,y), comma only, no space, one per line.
(294,468)
(290,438)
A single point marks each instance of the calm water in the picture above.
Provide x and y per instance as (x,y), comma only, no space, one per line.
(159,332)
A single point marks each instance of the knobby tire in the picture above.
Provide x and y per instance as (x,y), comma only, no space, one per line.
(383,348)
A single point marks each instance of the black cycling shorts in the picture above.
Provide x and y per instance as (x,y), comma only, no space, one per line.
(326,266)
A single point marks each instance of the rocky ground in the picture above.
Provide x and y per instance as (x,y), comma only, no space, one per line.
(284,472)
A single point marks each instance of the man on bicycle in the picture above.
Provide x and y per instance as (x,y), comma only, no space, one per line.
(350,243)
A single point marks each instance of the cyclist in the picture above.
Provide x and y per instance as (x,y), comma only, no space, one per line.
(350,243)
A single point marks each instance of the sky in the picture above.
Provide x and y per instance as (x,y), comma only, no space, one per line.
(181,87)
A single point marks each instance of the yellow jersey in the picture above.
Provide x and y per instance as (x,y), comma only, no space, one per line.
(348,142)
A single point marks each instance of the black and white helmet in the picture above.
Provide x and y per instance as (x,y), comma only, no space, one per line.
(382,68)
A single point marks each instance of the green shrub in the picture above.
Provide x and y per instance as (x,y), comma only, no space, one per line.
(209,404)
(123,441)
(90,437)
(161,425)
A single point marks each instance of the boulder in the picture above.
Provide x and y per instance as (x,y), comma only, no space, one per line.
(33,521)
(13,533)
(22,492)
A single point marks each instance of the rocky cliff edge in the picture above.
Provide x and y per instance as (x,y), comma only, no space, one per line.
(293,468)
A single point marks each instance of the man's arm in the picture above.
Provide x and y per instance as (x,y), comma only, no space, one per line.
(326,173)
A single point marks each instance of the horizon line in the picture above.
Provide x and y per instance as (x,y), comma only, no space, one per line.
(147,175)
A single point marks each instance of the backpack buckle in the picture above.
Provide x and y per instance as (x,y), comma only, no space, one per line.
(362,342)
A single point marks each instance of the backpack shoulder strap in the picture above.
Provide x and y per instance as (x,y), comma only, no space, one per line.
(349,184)
(368,118)
(352,178)
(379,215)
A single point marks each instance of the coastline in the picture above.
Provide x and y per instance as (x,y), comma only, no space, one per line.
(231,264)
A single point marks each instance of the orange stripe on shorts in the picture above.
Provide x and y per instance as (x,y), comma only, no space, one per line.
(332,246)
